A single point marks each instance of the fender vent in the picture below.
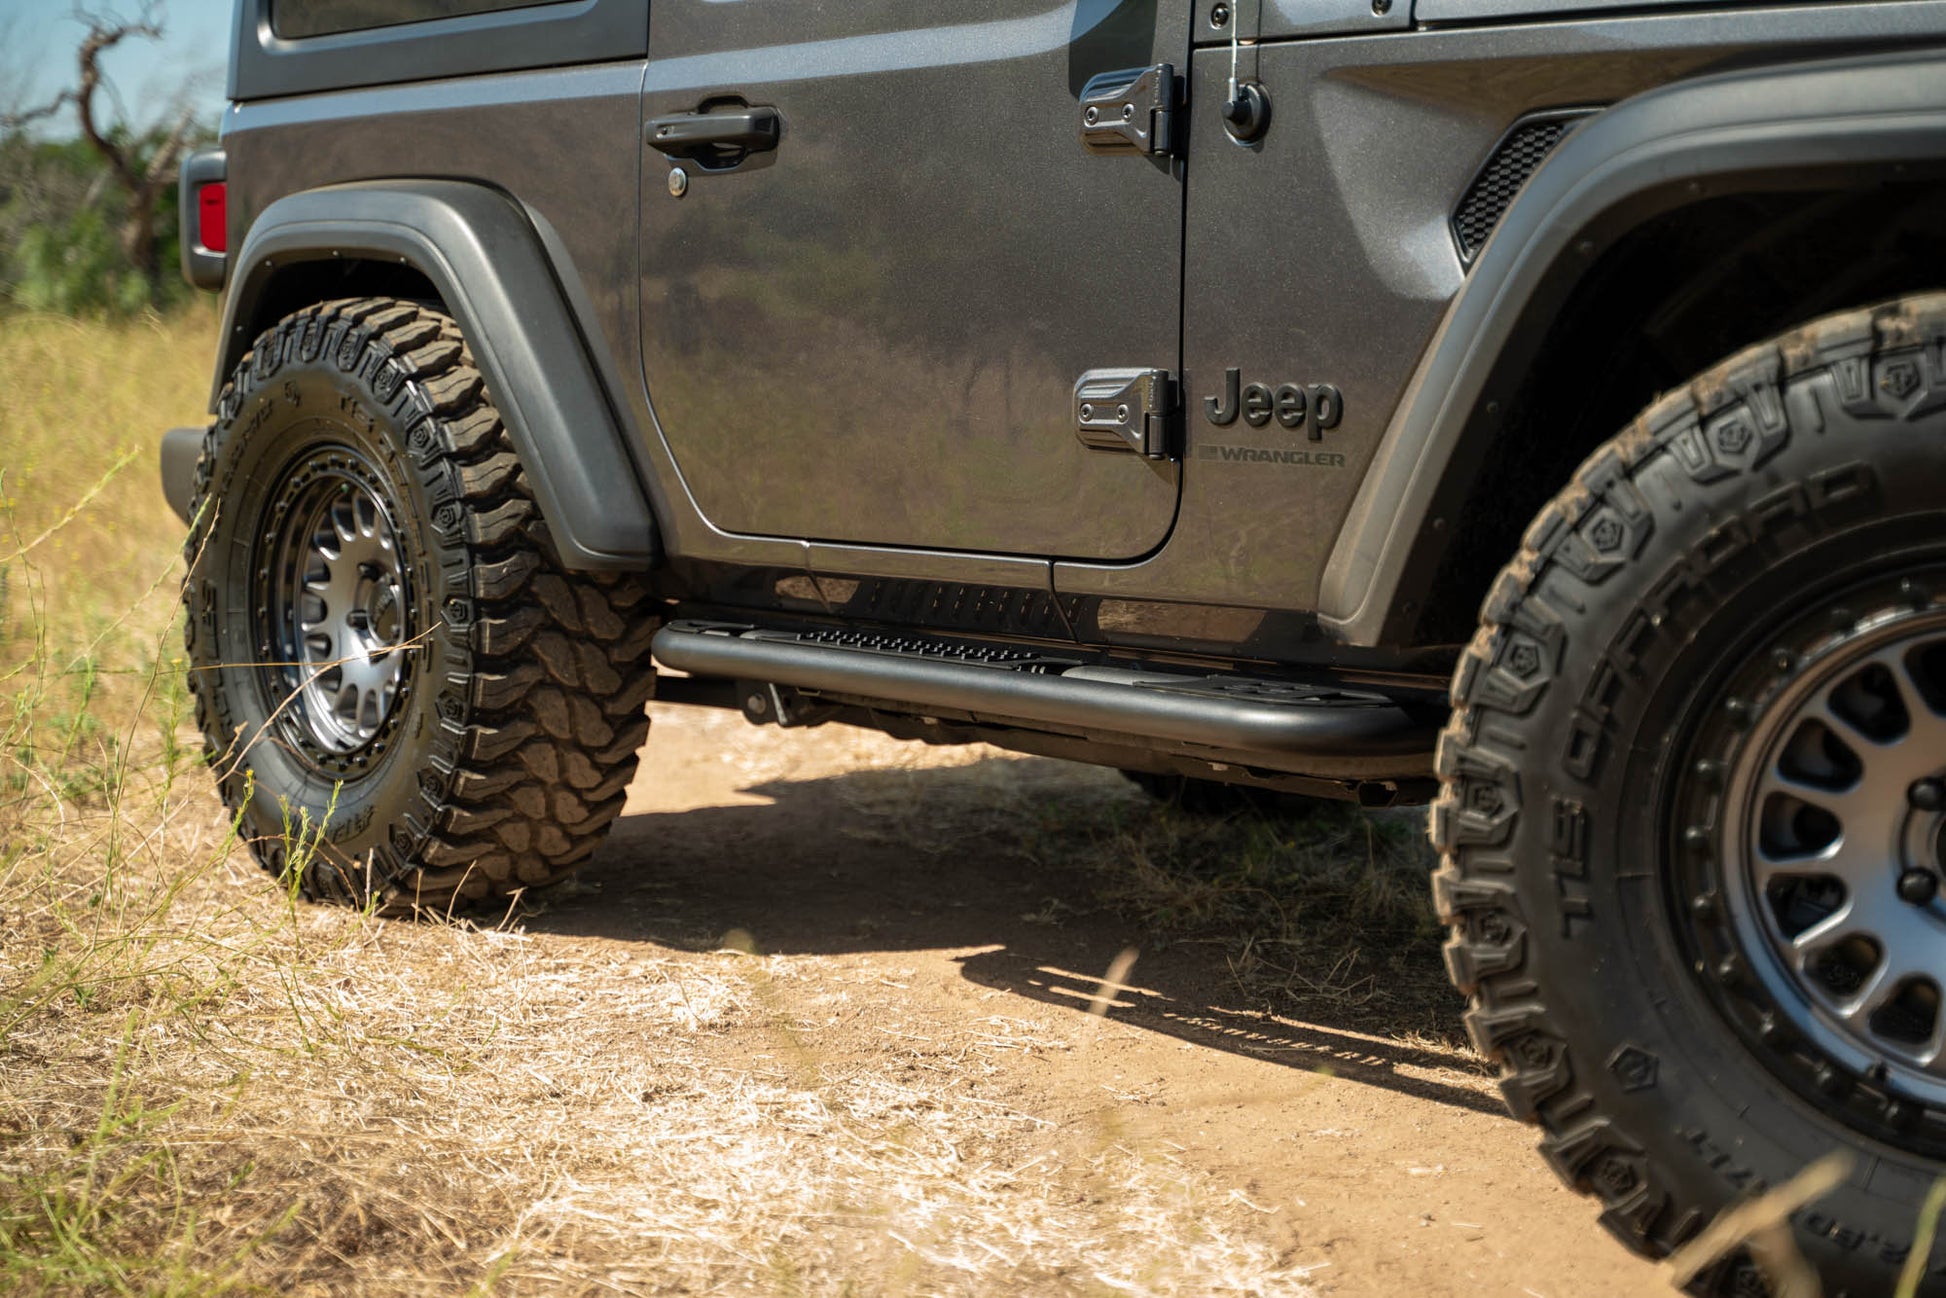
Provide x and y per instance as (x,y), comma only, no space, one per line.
(1518,155)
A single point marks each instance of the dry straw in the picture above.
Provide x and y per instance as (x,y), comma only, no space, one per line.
(207,1085)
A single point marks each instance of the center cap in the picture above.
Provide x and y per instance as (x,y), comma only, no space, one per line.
(382,614)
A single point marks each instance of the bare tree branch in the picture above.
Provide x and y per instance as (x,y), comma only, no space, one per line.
(141,174)
(162,167)
(15,121)
(104,35)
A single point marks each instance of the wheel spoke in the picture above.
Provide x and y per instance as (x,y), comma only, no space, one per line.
(1768,867)
(1904,946)
(343,523)
(1849,732)
(1856,802)
(1833,927)
(365,672)
(1854,859)
(1888,766)
(1871,909)
(345,705)
(1927,728)
(1931,1055)
(335,592)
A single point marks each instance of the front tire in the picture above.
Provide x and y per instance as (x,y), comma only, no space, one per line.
(1686,692)
(404,698)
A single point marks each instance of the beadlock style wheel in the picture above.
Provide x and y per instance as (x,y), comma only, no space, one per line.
(336,608)
(1813,817)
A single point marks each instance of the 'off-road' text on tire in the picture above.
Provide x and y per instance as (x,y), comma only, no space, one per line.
(1692,816)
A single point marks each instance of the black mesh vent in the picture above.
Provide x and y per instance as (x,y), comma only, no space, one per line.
(923,646)
(1519,152)
(951,606)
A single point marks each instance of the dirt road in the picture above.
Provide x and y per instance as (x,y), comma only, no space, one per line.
(912,931)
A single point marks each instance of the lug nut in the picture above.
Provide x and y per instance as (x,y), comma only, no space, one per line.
(1926,795)
(1918,887)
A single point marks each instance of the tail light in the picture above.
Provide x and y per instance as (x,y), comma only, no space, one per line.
(205,208)
(212,215)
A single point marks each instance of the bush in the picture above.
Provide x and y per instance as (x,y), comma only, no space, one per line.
(76,268)
(60,233)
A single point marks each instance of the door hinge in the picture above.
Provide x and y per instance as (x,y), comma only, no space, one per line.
(1132,111)
(1127,410)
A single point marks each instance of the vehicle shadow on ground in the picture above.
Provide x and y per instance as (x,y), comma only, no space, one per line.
(931,858)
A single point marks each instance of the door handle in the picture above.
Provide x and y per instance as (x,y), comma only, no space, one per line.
(719,139)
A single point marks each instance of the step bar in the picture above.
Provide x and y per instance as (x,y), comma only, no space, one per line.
(1234,714)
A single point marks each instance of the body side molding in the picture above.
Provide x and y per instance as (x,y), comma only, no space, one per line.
(484,257)
(1801,127)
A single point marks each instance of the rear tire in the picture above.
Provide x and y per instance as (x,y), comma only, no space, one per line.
(404,697)
(1621,869)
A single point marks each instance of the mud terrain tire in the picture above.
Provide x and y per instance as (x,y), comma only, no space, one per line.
(357,479)
(1703,563)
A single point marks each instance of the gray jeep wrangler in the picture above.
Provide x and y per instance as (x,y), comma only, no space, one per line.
(1535,408)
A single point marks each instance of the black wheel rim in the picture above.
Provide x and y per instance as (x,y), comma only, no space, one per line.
(1810,832)
(336,614)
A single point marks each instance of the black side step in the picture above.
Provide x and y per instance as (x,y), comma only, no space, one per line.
(1236,714)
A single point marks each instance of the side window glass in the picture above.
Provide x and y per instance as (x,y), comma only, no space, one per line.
(296,19)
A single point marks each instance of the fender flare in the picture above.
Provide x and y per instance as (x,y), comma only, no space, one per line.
(486,260)
(1803,126)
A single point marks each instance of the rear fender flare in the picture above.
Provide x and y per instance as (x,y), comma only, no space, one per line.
(488,264)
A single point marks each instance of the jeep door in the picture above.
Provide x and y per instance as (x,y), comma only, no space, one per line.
(866,304)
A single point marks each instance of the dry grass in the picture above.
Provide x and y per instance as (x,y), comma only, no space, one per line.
(1323,913)
(208,1086)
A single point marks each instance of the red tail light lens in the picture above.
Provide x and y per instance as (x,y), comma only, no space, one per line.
(213,217)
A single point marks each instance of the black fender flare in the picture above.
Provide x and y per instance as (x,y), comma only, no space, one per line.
(487,262)
(1800,126)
